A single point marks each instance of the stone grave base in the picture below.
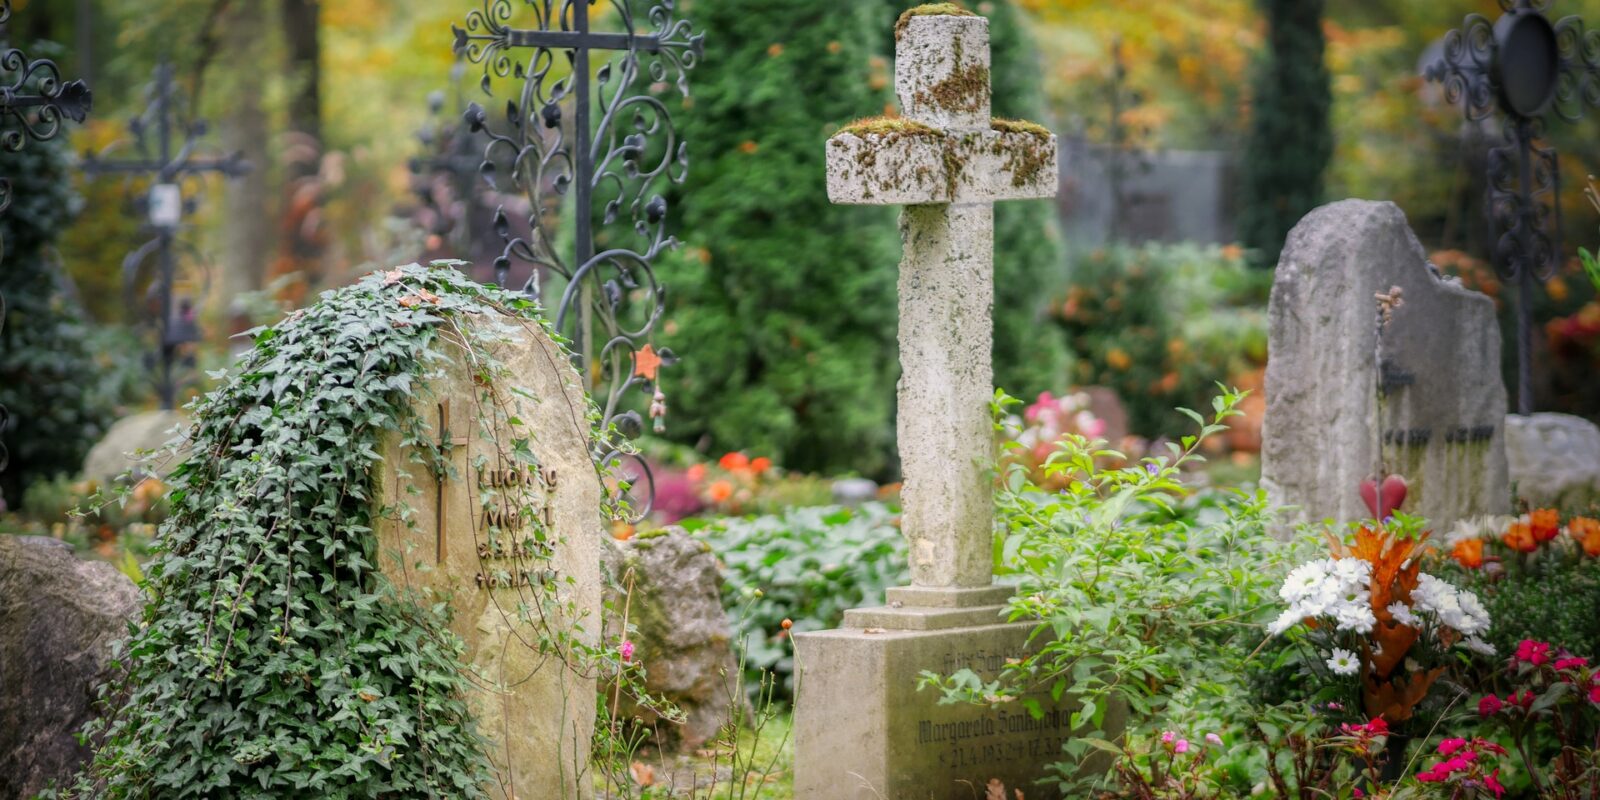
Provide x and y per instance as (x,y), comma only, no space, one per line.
(864,732)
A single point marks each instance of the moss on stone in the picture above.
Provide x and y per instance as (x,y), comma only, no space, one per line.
(1021,126)
(888,126)
(929,10)
(965,89)
(1026,162)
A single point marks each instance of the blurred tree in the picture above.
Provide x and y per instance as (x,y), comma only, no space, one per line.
(47,374)
(1290,137)
(247,234)
(782,304)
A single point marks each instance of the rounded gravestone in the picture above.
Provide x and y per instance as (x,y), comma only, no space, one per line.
(1554,458)
(119,450)
(511,541)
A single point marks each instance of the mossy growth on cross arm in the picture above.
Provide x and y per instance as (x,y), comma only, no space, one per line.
(889,126)
(929,10)
(1020,126)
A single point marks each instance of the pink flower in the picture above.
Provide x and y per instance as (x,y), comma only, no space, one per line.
(1571,662)
(1489,706)
(1182,746)
(1359,794)
(1594,694)
(1535,653)
(1449,746)
(1214,739)
(1492,783)
(1168,736)
(627,652)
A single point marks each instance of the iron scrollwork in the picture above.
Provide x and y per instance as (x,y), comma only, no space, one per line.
(606,164)
(1522,68)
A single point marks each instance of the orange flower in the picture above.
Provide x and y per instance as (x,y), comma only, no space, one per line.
(1468,552)
(1587,532)
(1546,524)
(1519,537)
(720,491)
(734,461)
(760,464)
(1118,359)
(697,473)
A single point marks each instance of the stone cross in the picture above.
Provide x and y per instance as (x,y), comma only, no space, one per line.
(447,445)
(947,162)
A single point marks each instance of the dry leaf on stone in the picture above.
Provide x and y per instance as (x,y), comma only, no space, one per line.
(996,790)
(643,774)
(393,277)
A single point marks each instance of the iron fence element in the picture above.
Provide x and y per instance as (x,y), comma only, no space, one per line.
(168,161)
(34,102)
(1523,67)
(608,165)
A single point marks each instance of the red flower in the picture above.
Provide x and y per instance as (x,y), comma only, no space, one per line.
(1545,524)
(1492,783)
(1523,701)
(1535,653)
(734,461)
(760,464)
(1571,662)
(1489,706)
(1449,746)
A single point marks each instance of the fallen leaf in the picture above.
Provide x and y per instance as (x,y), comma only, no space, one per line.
(410,301)
(995,791)
(643,774)
(393,276)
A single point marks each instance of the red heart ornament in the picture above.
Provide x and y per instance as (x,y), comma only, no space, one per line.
(1394,494)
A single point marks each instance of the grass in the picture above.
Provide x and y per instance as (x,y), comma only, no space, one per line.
(705,774)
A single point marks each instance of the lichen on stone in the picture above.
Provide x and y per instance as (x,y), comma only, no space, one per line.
(965,89)
(929,10)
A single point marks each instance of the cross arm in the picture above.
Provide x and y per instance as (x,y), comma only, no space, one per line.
(232,166)
(898,162)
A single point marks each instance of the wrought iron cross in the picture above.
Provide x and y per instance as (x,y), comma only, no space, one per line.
(165,204)
(611,168)
(33,102)
(447,445)
(1524,67)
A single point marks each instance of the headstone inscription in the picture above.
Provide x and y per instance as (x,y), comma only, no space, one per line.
(863,730)
(1429,402)
(510,538)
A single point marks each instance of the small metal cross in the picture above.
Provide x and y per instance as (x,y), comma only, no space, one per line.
(447,444)
(1524,67)
(166,206)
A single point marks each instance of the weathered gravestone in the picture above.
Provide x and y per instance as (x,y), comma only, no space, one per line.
(514,548)
(1431,398)
(1554,458)
(862,728)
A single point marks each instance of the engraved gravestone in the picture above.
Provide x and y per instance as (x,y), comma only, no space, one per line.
(862,729)
(510,539)
(1430,401)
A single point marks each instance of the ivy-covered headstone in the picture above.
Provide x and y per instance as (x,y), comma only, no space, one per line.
(354,597)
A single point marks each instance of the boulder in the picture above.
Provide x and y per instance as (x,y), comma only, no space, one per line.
(58,618)
(1554,458)
(682,636)
(117,452)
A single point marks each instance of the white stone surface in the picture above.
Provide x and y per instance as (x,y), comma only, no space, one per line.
(1442,421)
(1554,458)
(934,54)
(898,169)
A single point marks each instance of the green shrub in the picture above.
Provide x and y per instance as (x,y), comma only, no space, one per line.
(1159,323)
(1140,600)
(48,381)
(808,566)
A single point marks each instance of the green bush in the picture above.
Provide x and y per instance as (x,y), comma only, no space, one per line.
(808,566)
(58,407)
(1160,323)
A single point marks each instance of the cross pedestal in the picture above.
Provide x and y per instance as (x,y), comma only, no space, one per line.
(862,728)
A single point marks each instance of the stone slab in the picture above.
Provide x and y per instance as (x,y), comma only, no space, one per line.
(1440,418)
(917,618)
(1554,458)
(864,731)
(505,528)
(898,169)
(949,596)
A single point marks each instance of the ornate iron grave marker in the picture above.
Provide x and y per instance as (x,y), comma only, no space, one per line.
(168,162)
(608,165)
(445,178)
(1524,67)
(33,103)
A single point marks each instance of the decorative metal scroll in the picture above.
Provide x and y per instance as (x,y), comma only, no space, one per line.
(34,102)
(172,166)
(1524,68)
(605,162)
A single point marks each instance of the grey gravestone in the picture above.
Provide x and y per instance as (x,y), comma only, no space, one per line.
(488,536)
(120,449)
(862,730)
(1433,397)
(58,618)
(1555,459)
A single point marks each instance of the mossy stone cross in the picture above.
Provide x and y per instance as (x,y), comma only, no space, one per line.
(947,162)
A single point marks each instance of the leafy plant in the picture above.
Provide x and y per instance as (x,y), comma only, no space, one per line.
(800,570)
(1133,605)
(274,658)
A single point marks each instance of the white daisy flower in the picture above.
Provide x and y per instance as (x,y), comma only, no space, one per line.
(1343,662)
(1288,619)
(1356,617)
(1402,614)
(1476,645)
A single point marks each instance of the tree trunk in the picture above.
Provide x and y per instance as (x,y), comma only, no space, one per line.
(247,217)
(301,34)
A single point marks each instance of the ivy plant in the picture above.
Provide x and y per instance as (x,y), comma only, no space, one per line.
(273,659)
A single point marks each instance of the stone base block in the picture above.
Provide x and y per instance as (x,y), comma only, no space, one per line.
(864,732)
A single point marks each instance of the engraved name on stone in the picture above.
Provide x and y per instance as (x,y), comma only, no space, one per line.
(502,518)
